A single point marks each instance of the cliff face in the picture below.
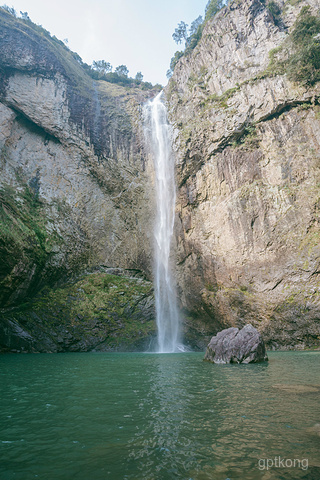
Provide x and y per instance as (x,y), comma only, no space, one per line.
(74,186)
(247,142)
(76,191)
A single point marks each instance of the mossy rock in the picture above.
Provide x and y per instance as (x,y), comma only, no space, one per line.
(99,311)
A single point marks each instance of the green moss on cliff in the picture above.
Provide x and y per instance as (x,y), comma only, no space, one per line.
(248,139)
(299,55)
(304,64)
(98,311)
(24,242)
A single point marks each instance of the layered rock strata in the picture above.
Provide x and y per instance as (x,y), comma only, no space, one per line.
(74,184)
(247,143)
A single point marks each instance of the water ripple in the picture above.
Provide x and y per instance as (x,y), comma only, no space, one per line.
(156,417)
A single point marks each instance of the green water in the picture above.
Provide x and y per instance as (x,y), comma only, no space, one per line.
(157,417)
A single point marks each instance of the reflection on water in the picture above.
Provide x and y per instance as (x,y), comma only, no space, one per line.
(165,408)
(157,417)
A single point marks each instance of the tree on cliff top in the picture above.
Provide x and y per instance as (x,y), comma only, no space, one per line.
(180,33)
(192,35)
(10,10)
(139,77)
(122,70)
(101,66)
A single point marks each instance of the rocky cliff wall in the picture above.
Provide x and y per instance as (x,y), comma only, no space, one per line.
(75,190)
(247,142)
(74,183)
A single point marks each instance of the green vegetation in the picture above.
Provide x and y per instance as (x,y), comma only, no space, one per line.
(60,55)
(213,7)
(211,287)
(174,61)
(139,77)
(22,225)
(275,11)
(25,245)
(102,67)
(192,35)
(98,308)
(180,33)
(220,100)
(276,65)
(248,138)
(299,55)
(304,64)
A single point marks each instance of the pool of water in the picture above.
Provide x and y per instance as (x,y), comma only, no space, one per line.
(157,417)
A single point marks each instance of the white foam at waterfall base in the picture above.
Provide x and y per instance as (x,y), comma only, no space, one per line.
(158,133)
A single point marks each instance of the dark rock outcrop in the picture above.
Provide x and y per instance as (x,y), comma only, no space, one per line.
(237,346)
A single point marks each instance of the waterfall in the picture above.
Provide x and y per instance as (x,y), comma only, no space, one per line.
(159,138)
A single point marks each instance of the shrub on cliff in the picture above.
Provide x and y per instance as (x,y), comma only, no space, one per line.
(213,7)
(275,11)
(192,35)
(174,61)
(304,63)
(299,55)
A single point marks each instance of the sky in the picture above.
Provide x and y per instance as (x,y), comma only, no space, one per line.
(135,33)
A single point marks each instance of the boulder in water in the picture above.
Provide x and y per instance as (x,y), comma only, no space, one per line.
(237,346)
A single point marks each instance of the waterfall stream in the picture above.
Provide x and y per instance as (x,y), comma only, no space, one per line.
(159,137)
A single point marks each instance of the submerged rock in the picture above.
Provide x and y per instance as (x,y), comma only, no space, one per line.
(298,388)
(237,346)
